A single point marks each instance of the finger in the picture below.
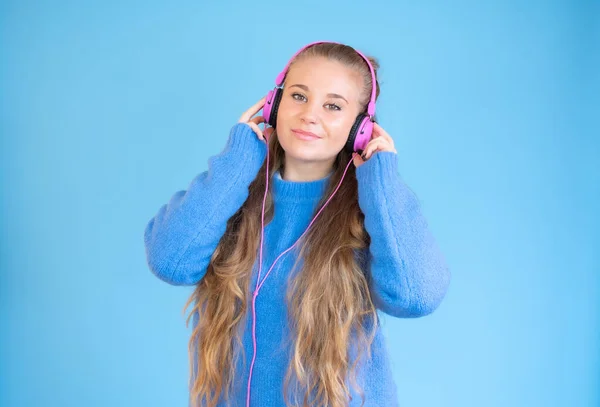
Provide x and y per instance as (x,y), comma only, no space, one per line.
(253,110)
(369,153)
(380,133)
(377,129)
(373,150)
(387,139)
(366,153)
(357,159)
(256,130)
(380,130)
(378,144)
(258,119)
(374,142)
(375,132)
(268,132)
(247,115)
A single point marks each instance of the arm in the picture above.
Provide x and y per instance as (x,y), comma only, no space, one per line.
(407,273)
(181,238)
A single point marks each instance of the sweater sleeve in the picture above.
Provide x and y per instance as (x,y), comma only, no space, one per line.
(407,273)
(181,238)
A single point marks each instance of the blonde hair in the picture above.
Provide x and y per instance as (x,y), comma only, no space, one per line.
(328,300)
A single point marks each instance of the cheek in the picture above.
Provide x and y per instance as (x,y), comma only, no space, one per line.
(286,108)
(339,127)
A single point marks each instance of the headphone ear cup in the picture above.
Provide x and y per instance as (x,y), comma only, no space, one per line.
(268,107)
(356,138)
(271,116)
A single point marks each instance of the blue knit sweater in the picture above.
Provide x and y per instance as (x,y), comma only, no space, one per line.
(406,270)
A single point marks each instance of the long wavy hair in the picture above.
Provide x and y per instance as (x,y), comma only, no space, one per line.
(328,300)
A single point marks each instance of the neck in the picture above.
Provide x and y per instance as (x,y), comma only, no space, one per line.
(304,171)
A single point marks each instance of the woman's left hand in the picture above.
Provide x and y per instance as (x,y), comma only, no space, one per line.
(380,141)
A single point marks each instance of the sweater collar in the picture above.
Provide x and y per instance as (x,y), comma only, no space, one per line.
(298,191)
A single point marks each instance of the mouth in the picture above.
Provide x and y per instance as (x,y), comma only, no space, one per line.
(305,135)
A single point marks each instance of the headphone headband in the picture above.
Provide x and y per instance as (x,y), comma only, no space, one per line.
(371,105)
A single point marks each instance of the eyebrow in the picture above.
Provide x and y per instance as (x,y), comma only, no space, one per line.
(331,95)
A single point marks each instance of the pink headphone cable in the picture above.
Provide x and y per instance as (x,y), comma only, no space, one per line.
(258,286)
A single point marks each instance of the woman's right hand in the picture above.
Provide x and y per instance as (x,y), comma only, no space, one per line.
(255,121)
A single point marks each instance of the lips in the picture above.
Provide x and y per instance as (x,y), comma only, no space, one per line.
(305,133)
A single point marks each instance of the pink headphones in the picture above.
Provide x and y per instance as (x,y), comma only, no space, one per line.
(359,137)
(361,131)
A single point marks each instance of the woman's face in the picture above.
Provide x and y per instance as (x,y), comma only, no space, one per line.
(320,96)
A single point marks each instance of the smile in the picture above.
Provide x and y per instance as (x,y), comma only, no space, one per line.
(304,135)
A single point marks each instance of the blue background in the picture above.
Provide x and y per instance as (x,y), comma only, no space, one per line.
(108,108)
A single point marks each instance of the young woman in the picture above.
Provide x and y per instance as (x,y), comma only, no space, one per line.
(293,250)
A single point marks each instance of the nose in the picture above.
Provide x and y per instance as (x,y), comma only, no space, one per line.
(310,112)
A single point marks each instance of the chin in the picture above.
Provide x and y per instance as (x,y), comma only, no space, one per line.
(301,150)
(300,154)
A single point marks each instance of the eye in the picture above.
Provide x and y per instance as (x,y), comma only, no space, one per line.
(301,97)
(297,94)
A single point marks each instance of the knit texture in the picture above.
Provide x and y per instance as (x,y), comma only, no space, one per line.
(407,273)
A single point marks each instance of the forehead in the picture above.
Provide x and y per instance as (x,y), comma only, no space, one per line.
(323,75)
